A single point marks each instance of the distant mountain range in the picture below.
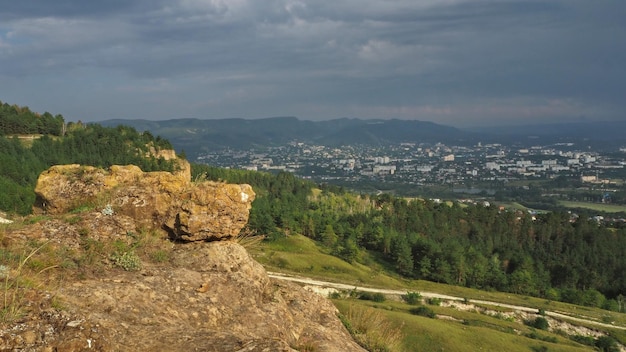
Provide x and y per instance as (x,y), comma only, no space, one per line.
(196,136)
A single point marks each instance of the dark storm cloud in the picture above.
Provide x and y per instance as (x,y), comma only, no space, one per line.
(441,60)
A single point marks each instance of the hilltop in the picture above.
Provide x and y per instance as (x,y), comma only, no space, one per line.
(120,259)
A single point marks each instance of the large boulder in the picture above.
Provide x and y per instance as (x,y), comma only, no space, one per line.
(189,211)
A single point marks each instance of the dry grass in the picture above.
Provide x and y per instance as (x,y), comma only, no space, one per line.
(25,265)
(16,281)
(307,345)
(153,246)
(372,330)
(249,239)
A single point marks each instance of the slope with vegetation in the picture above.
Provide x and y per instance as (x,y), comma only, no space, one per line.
(473,246)
(549,256)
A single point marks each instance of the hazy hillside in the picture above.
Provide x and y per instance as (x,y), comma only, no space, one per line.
(194,135)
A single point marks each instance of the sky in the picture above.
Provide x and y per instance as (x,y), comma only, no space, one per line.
(454,62)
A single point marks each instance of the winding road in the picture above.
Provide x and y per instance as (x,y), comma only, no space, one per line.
(339,286)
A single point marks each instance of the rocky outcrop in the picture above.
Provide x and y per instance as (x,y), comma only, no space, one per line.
(211,297)
(199,296)
(214,297)
(188,211)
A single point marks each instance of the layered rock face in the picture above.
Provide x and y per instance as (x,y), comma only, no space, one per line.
(188,211)
(209,295)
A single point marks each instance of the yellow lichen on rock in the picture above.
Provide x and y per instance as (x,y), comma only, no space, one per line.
(160,200)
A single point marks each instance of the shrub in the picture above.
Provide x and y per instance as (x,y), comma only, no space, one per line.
(423,311)
(534,335)
(379,297)
(372,296)
(607,344)
(335,295)
(611,304)
(366,296)
(539,323)
(412,298)
(434,301)
(128,261)
(585,340)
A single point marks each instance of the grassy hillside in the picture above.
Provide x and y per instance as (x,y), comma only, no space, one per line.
(459,331)
(484,327)
(298,254)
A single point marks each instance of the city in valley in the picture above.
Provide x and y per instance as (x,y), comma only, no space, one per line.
(542,174)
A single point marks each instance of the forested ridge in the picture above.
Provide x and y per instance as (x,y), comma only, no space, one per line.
(16,119)
(21,161)
(547,255)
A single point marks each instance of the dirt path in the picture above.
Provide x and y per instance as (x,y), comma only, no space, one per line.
(314,282)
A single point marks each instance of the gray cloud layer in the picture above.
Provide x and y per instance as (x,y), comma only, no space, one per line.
(450,61)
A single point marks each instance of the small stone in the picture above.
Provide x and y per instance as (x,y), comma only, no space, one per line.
(73,323)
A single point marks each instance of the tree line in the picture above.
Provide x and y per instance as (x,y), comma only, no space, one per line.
(549,255)
(21,163)
(16,119)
